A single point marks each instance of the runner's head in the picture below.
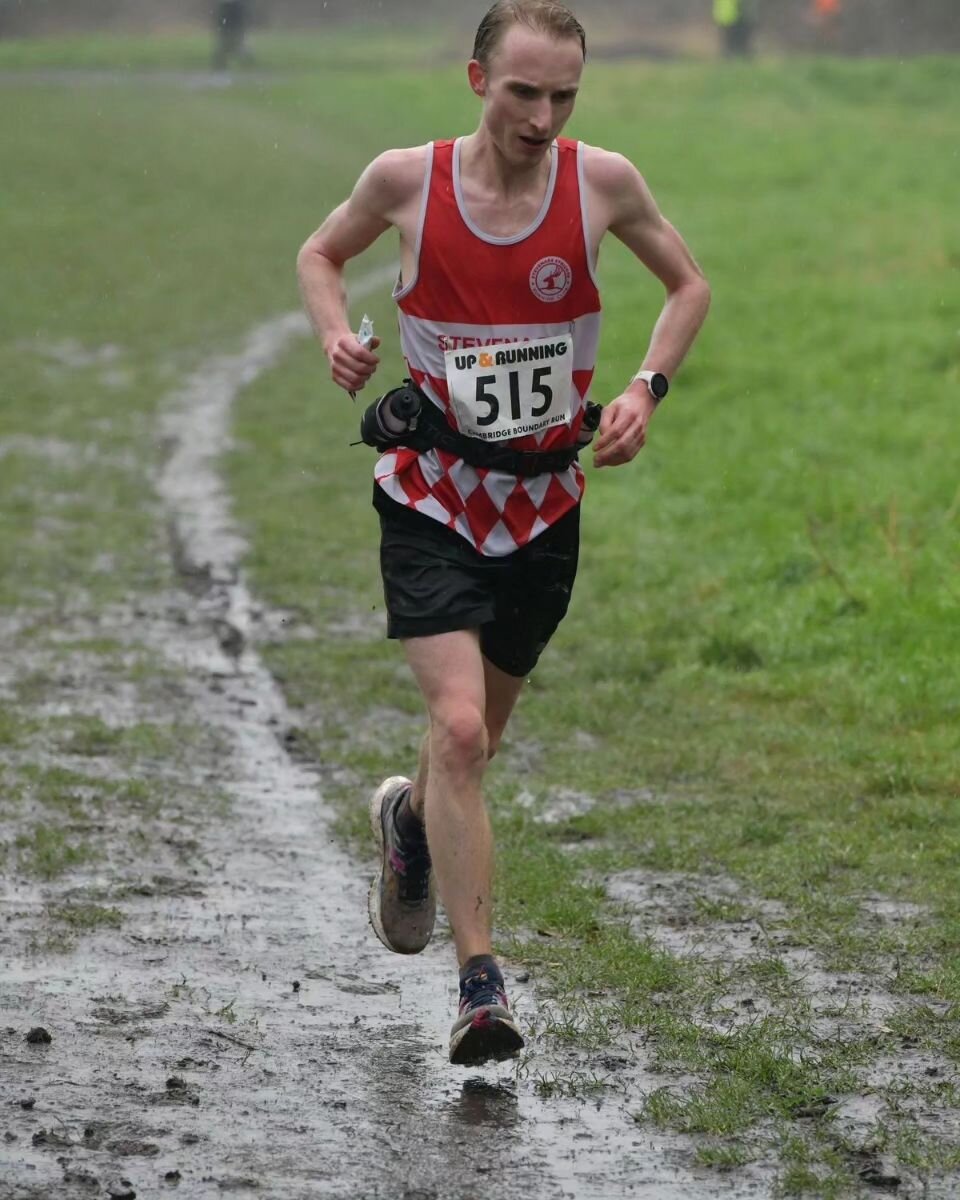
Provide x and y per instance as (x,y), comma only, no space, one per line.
(527,60)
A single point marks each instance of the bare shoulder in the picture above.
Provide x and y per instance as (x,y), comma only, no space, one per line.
(614,180)
(394,177)
(606,170)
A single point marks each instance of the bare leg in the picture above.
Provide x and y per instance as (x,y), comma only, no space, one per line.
(453,677)
(418,793)
(501,693)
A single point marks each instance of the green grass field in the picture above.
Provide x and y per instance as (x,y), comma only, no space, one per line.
(758,676)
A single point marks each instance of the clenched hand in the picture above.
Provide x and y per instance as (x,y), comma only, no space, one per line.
(623,429)
(351,365)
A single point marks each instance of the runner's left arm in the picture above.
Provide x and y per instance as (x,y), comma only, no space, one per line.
(631,214)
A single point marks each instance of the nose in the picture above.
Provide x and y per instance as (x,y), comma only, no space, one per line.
(540,118)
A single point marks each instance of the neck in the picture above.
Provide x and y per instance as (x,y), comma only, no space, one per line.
(482,160)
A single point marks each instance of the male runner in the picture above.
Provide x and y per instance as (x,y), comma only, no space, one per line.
(499,324)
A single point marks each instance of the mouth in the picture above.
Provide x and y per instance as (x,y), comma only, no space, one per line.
(533,143)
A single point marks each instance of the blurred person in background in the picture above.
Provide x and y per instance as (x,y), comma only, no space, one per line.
(825,15)
(230,28)
(735,20)
(479,505)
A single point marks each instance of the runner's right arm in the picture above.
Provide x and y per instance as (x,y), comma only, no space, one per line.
(382,193)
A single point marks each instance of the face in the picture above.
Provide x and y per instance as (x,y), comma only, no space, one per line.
(528,91)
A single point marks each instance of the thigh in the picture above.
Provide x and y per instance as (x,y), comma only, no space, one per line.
(454,677)
(532,598)
(449,671)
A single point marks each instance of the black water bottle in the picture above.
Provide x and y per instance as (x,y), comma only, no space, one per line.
(388,418)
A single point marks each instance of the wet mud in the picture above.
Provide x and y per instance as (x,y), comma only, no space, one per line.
(238,1028)
(663,906)
(243,1031)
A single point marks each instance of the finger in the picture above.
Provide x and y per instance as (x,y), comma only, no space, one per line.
(620,455)
(604,457)
(349,349)
(355,357)
(605,460)
(609,426)
(352,369)
(357,366)
(616,439)
(612,460)
(605,441)
(350,380)
(622,450)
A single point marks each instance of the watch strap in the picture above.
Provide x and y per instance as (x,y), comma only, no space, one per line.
(647,377)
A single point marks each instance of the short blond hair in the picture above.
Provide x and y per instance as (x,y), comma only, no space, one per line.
(545,16)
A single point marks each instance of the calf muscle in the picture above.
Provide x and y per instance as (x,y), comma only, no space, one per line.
(468,703)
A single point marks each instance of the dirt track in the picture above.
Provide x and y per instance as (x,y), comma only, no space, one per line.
(244,1030)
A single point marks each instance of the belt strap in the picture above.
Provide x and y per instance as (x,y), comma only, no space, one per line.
(432,432)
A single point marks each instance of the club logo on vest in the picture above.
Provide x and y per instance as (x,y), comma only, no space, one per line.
(550,279)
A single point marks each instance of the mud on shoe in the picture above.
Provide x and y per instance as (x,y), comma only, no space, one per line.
(485,1030)
(403,904)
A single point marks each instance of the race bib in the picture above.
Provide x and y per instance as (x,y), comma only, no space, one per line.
(503,392)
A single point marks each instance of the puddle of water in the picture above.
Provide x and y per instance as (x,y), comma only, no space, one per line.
(892,911)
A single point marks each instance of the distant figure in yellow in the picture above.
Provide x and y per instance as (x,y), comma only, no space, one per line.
(734,19)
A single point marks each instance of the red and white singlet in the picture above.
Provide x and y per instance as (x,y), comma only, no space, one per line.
(534,298)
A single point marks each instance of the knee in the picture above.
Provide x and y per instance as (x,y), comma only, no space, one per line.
(459,734)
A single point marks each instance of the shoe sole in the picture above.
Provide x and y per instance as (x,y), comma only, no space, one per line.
(373,898)
(495,1041)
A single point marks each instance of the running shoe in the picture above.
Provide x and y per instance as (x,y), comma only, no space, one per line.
(403,905)
(485,1028)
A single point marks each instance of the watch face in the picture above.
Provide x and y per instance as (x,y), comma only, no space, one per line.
(659,385)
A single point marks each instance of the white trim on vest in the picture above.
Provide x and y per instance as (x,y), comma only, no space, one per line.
(400,292)
(584,216)
(517,237)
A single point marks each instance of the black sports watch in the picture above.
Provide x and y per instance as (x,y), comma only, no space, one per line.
(657,383)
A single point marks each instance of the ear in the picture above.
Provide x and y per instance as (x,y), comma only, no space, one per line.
(477,77)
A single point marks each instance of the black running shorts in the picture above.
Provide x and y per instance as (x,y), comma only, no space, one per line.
(434,581)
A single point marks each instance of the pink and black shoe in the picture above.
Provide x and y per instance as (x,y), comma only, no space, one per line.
(403,905)
(485,1030)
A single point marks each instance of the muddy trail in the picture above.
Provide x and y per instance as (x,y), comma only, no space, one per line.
(238,1027)
(199,1004)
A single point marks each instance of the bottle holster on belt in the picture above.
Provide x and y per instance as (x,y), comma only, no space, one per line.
(428,430)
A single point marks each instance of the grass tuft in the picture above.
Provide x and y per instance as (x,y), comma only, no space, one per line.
(47,852)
